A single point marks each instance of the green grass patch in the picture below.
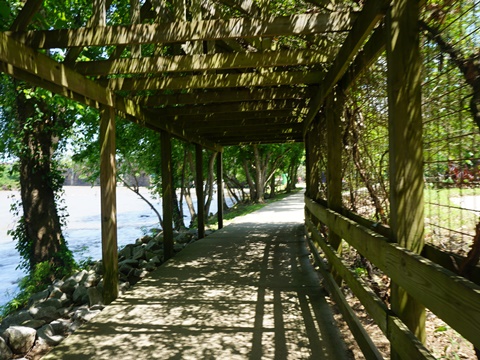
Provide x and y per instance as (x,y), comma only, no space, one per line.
(450,215)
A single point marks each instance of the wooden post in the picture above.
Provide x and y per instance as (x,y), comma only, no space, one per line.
(108,204)
(199,188)
(405,148)
(333,112)
(314,160)
(220,189)
(167,194)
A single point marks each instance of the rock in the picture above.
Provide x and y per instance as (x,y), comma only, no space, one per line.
(80,295)
(145,239)
(178,247)
(38,297)
(5,352)
(34,324)
(56,303)
(140,273)
(159,237)
(125,269)
(153,245)
(90,280)
(56,292)
(149,255)
(69,286)
(126,252)
(16,319)
(60,326)
(97,307)
(129,262)
(124,287)
(139,253)
(47,334)
(150,266)
(95,297)
(20,339)
(156,260)
(98,267)
(85,314)
(74,326)
(47,313)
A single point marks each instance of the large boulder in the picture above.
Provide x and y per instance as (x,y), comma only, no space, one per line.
(47,313)
(80,295)
(95,296)
(20,339)
(47,334)
(5,352)
(38,297)
(16,319)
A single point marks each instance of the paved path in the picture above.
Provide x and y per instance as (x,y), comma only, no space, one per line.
(245,292)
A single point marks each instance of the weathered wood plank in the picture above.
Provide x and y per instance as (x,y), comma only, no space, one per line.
(217,81)
(438,289)
(61,79)
(187,63)
(333,113)
(182,31)
(372,12)
(253,130)
(199,190)
(226,95)
(228,123)
(226,108)
(404,77)
(167,194)
(108,182)
(236,116)
(23,19)
(372,303)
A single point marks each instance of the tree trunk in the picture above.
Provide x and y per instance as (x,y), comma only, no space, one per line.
(272,187)
(44,241)
(251,184)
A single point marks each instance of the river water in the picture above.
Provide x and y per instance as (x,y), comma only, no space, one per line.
(83,231)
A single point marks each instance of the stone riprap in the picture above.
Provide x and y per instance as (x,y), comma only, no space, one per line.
(56,312)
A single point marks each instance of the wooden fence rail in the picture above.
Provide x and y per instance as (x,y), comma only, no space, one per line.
(452,298)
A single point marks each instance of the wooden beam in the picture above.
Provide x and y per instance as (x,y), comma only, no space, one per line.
(405,149)
(313,142)
(182,31)
(258,139)
(61,79)
(220,197)
(252,130)
(188,63)
(217,81)
(227,108)
(23,19)
(228,124)
(233,117)
(333,113)
(372,12)
(108,181)
(199,189)
(226,95)
(167,194)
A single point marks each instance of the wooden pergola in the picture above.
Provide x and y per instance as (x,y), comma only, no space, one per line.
(230,77)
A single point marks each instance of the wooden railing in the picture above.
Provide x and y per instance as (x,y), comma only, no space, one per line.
(451,297)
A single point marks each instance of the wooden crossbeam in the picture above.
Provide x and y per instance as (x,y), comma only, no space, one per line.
(257,139)
(217,81)
(27,64)
(227,108)
(185,63)
(226,123)
(226,95)
(181,31)
(29,9)
(236,116)
(252,130)
(372,12)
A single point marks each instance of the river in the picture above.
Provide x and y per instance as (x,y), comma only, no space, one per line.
(83,231)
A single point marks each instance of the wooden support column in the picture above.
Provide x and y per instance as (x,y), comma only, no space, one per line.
(313,183)
(167,194)
(333,111)
(108,204)
(199,188)
(405,148)
(220,189)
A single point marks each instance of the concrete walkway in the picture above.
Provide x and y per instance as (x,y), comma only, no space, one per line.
(245,292)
